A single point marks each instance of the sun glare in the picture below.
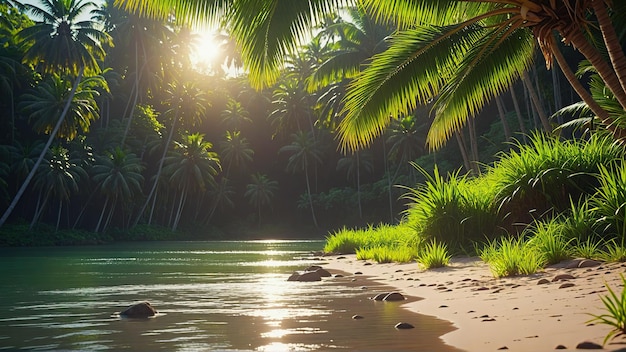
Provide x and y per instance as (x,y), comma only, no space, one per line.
(206,52)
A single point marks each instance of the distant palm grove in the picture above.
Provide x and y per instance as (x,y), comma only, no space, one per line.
(312,115)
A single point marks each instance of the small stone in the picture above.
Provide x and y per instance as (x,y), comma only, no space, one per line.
(338,275)
(567,285)
(560,347)
(356,317)
(563,277)
(503,348)
(443,306)
(402,326)
(358,273)
(394,297)
(342,257)
(380,296)
(543,282)
(588,263)
(322,272)
(587,345)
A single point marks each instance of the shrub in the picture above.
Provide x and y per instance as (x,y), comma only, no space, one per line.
(510,257)
(549,241)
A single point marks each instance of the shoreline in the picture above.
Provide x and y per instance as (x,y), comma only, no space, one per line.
(514,313)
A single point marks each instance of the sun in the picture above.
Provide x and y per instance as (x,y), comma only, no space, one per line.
(206,51)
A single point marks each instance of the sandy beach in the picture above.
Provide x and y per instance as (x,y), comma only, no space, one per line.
(542,312)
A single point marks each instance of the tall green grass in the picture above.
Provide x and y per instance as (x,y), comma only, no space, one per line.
(508,256)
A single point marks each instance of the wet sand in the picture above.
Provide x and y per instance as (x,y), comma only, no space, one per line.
(546,311)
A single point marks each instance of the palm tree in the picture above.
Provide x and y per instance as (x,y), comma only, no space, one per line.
(191,167)
(260,192)
(236,151)
(118,177)
(57,178)
(463,53)
(305,153)
(235,115)
(221,194)
(60,42)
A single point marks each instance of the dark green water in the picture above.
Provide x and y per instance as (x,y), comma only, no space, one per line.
(211,296)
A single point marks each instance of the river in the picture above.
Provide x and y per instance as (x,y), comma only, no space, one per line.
(211,296)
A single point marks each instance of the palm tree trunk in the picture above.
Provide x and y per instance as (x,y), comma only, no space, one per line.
(473,146)
(308,188)
(106,202)
(616,53)
(518,112)
(59,215)
(602,114)
(181,204)
(110,216)
(358,184)
(502,113)
(606,71)
(159,170)
(389,181)
(463,150)
(53,134)
(536,103)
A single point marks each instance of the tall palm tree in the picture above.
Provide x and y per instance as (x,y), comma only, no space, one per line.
(305,153)
(117,175)
(260,192)
(221,194)
(192,166)
(463,53)
(60,42)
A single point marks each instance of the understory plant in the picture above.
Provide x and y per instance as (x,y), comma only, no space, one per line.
(387,254)
(616,316)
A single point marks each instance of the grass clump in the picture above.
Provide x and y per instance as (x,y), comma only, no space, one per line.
(509,256)
(549,241)
(399,254)
(616,316)
(434,255)
(382,236)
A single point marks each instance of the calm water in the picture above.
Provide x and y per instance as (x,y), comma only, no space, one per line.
(211,296)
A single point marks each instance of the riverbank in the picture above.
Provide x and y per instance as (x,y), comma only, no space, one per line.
(541,312)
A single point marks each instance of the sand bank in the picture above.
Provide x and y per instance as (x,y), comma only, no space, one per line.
(542,312)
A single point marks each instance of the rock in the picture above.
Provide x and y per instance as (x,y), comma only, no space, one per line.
(543,282)
(560,347)
(503,348)
(139,310)
(402,326)
(358,273)
(307,276)
(567,285)
(563,277)
(322,272)
(588,263)
(313,268)
(338,275)
(356,317)
(586,345)
(394,297)
(380,296)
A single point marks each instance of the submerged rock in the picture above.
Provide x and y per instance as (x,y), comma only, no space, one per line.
(394,297)
(402,326)
(306,276)
(139,310)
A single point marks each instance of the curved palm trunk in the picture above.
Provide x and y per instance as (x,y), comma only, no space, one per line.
(53,134)
(358,184)
(308,188)
(389,181)
(616,53)
(606,72)
(463,150)
(602,114)
(181,204)
(104,207)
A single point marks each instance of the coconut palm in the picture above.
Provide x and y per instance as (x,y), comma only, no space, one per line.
(306,153)
(221,194)
(118,178)
(235,115)
(60,42)
(191,167)
(236,151)
(260,192)
(57,178)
